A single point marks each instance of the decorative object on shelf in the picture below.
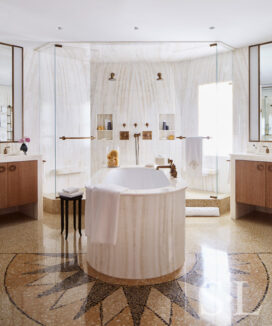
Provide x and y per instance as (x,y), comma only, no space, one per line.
(171,137)
(113,158)
(124,125)
(109,125)
(100,128)
(147,124)
(147,135)
(124,135)
(159,74)
(112,75)
(24,147)
(164,125)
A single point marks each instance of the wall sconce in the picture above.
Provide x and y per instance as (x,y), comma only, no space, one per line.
(135,125)
(147,124)
(124,125)
(159,74)
(112,74)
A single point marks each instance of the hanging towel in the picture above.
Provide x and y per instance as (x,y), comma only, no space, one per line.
(102,213)
(194,156)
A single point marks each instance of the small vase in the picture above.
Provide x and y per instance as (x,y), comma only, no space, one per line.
(23,148)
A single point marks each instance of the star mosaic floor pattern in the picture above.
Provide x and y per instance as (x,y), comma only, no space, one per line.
(45,280)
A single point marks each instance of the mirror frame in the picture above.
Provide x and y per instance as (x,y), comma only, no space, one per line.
(12,47)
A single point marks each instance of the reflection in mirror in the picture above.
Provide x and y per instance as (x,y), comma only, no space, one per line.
(6,102)
(266,92)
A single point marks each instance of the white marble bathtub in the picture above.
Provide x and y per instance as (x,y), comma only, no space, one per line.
(151,235)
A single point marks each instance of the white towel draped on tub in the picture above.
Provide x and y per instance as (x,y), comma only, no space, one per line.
(102,212)
(194,156)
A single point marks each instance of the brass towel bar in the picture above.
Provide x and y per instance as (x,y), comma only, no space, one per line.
(64,138)
(182,137)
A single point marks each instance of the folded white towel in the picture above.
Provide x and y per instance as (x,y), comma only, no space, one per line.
(102,212)
(72,195)
(70,190)
(202,211)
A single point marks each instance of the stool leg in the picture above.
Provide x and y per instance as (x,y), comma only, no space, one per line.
(79,216)
(75,215)
(62,214)
(66,217)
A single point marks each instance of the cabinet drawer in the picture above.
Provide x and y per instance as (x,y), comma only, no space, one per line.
(250,183)
(22,182)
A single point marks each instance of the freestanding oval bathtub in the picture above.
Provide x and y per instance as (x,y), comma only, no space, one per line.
(151,234)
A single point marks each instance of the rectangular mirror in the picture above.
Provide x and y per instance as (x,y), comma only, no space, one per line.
(11,93)
(266,92)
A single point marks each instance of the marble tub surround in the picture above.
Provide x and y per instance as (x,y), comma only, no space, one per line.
(150,232)
(34,210)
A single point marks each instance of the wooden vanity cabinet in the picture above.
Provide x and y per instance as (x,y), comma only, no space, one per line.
(19,183)
(254,183)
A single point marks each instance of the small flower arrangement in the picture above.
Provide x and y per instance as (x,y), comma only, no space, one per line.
(24,140)
(23,147)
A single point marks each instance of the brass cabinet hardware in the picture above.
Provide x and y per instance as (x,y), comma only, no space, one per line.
(44,161)
(213,197)
(2,169)
(181,137)
(260,167)
(12,168)
(64,137)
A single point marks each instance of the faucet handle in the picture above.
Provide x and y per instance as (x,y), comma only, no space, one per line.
(170,161)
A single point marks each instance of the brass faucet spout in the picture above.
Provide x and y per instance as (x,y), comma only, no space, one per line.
(171,166)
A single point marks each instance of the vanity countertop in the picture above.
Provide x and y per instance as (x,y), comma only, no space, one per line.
(263,157)
(6,158)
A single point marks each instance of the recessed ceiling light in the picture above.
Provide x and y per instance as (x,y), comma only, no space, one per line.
(59,28)
(136,28)
(212,27)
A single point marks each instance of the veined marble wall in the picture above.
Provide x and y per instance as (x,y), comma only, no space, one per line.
(136,96)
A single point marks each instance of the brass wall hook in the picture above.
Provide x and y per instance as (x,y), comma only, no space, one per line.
(112,75)
(159,74)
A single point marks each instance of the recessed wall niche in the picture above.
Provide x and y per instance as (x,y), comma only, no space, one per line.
(167,128)
(104,126)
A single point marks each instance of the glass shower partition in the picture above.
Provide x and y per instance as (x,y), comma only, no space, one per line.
(65,116)
(207,98)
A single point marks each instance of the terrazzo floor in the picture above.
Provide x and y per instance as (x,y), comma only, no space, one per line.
(45,280)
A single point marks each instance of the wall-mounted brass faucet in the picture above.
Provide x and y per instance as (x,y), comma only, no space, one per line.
(171,166)
(112,75)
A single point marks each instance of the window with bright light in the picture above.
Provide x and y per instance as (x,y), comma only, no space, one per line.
(215,117)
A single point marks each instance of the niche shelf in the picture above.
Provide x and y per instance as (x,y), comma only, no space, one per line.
(102,126)
(170,133)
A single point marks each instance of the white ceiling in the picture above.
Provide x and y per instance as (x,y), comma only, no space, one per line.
(237,22)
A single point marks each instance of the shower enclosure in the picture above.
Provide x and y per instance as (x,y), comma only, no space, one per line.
(194,95)
(65,116)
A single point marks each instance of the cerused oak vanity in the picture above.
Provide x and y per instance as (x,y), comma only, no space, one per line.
(20,185)
(251,183)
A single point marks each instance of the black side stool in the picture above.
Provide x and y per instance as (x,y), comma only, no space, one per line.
(65,199)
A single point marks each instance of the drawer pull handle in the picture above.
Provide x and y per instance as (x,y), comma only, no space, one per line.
(2,169)
(12,168)
(270,168)
(260,167)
